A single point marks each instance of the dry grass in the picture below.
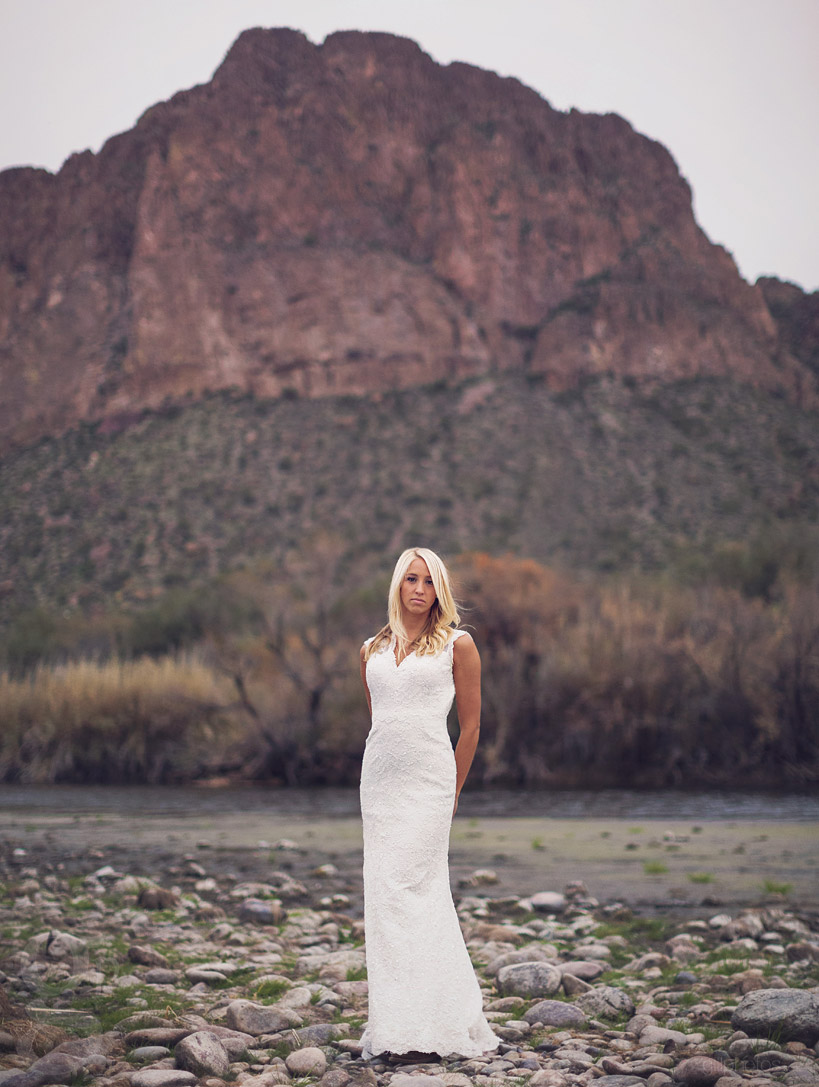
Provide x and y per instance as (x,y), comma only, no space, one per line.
(141,720)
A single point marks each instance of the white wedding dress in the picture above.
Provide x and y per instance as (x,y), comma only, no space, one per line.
(423,993)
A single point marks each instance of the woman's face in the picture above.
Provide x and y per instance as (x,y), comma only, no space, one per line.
(417,590)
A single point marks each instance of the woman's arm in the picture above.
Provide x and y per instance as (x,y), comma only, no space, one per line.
(364,680)
(466,671)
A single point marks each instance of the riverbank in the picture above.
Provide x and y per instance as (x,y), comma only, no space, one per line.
(217,961)
(650,864)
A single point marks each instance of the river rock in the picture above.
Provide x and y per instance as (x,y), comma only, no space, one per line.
(262,911)
(317,1034)
(606,1002)
(404,1079)
(582,968)
(63,945)
(619,1081)
(529,979)
(548,902)
(803,951)
(156,1036)
(198,974)
(150,1053)
(790,1015)
(298,997)
(654,1035)
(646,962)
(162,1077)
(157,898)
(144,955)
(160,976)
(203,1054)
(593,951)
(699,1071)
(548,1077)
(309,1061)
(52,1068)
(573,986)
(234,1041)
(337,1077)
(556,1013)
(530,953)
(256,1019)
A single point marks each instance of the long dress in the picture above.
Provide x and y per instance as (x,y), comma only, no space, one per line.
(423,993)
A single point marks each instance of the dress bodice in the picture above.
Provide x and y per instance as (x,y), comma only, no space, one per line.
(417,693)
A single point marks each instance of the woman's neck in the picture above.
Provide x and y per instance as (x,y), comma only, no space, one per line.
(414,626)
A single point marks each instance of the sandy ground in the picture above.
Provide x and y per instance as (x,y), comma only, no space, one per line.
(651,866)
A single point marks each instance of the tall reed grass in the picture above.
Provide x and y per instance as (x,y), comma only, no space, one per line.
(119,721)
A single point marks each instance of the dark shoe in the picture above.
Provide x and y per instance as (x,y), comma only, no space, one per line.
(414,1057)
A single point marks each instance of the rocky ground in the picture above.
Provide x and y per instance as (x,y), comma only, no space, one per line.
(195,975)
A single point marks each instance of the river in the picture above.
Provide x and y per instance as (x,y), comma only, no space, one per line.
(655,804)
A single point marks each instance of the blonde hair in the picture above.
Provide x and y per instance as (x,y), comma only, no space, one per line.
(442,615)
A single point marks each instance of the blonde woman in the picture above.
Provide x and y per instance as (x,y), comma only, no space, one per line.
(424,998)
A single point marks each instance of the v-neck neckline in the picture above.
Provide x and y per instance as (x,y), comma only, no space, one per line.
(394,651)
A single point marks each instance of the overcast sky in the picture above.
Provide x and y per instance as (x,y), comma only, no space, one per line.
(731,87)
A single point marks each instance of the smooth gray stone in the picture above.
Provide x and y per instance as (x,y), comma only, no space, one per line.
(788,1015)
(203,1054)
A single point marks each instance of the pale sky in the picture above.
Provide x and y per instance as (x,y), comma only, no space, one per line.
(731,87)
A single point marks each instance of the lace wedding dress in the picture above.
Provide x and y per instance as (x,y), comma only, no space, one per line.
(423,993)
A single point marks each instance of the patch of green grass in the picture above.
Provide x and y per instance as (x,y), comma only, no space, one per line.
(358,973)
(654,868)
(537,843)
(701,877)
(110,1009)
(773,887)
(732,966)
(81,905)
(270,990)
(636,830)
(655,929)
(79,1079)
(236,977)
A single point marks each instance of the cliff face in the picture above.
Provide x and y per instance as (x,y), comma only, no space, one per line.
(352,217)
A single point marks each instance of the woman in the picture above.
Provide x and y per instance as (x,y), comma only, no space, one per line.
(424,996)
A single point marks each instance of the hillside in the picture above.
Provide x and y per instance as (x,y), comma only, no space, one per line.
(603,477)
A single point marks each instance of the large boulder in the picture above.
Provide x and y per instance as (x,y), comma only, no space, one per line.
(256,1019)
(787,1015)
(309,1061)
(555,1013)
(529,979)
(606,1002)
(699,1071)
(203,1054)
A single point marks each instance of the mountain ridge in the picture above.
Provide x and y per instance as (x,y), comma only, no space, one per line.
(350,218)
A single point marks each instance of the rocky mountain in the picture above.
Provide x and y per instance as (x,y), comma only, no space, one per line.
(343,288)
(353,218)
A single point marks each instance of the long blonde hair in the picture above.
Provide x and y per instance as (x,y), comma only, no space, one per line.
(442,615)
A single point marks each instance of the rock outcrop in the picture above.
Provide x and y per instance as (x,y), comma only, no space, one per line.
(351,217)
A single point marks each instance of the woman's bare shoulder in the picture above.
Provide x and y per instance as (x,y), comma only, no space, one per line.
(463,642)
